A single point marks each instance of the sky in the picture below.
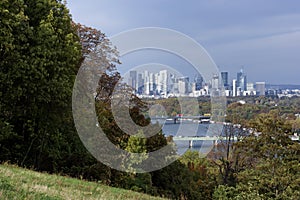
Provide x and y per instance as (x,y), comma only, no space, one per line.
(262,37)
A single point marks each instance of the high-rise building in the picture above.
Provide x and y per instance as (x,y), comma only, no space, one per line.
(146,83)
(174,88)
(183,85)
(241,80)
(215,83)
(250,86)
(260,88)
(198,83)
(224,76)
(133,79)
(140,84)
(163,81)
(172,84)
(152,84)
(156,82)
(234,88)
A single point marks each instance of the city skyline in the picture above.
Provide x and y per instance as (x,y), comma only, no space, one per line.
(164,83)
(263,37)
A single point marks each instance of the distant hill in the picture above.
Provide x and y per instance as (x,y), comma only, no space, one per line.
(19,183)
(282,86)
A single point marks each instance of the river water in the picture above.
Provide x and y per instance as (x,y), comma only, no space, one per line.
(189,128)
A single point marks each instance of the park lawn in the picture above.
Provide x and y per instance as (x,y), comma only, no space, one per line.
(18,183)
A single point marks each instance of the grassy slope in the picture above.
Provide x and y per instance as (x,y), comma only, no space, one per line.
(18,183)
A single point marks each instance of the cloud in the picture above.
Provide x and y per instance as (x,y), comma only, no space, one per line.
(272,58)
(260,34)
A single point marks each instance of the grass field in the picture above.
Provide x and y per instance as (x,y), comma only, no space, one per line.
(18,183)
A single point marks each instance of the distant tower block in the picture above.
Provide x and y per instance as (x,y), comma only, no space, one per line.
(215,82)
(224,76)
(260,88)
(241,80)
(234,88)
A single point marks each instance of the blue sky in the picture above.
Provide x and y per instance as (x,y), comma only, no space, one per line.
(263,37)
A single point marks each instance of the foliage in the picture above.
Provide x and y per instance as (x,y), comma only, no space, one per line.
(174,106)
(137,144)
(37,72)
(41,50)
(272,167)
(233,193)
(226,154)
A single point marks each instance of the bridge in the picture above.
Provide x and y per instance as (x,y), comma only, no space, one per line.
(201,118)
(192,139)
(214,139)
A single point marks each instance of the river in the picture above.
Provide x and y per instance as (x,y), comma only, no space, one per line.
(188,128)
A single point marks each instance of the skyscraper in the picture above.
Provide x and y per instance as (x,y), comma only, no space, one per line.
(140,84)
(241,80)
(152,84)
(261,88)
(215,84)
(163,81)
(174,85)
(198,83)
(133,79)
(224,76)
(183,85)
(234,88)
(146,83)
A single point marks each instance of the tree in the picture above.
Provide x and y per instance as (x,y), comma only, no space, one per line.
(274,170)
(79,162)
(97,46)
(227,192)
(226,154)
(204,175)
(39,56)
(134,181)
(13,30)
(136,144)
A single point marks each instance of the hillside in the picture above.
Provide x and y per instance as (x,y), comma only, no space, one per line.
(19,183)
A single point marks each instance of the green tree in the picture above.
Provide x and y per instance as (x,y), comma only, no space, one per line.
(13,29)
(204,175)
(136,145)
(233,193)
(39,56)
(273,170)
(137,182)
